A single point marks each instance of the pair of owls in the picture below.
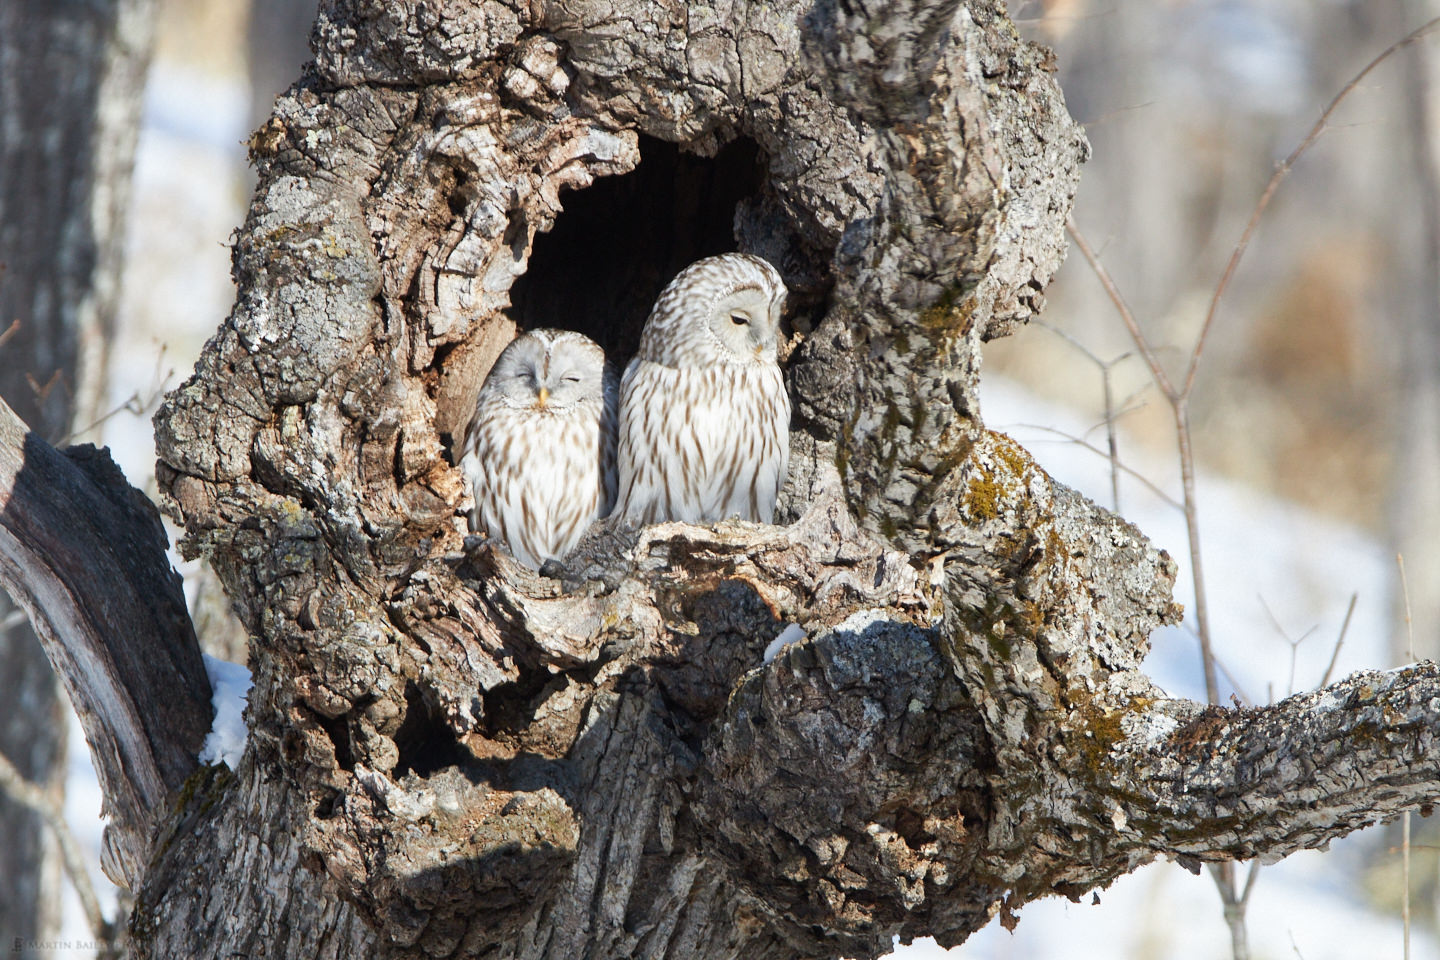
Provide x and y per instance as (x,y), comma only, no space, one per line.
(699,431)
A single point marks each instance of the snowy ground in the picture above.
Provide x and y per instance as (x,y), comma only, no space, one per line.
(1259,552)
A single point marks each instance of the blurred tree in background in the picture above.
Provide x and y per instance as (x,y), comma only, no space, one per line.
(71,76)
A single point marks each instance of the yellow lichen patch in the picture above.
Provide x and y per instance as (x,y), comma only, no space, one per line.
(1100,727)
(983,496)
(951,314)
(1014,456)
(1000,474)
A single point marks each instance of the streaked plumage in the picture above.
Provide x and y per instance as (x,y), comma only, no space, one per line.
(540,452)
(704,416)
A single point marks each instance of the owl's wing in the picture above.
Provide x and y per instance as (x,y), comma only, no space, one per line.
(496,464)
(656,445)
(766,438)
(702,444)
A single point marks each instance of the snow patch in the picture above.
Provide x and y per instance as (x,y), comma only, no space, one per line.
(230,683)
(792,633)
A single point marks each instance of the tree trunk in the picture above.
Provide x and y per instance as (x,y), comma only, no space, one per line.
(451,756)
(71,76)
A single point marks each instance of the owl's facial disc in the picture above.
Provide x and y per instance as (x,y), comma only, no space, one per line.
(551,373)
(745,324)
(563,382)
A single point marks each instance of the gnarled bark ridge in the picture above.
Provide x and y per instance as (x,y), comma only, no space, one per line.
(452,756)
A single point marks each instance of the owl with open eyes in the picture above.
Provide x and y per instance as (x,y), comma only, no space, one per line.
(704,416)
(540,453)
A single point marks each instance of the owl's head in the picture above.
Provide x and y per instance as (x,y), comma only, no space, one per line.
(721,308)
(550,370)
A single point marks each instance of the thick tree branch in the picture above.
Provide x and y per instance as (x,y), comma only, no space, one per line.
(1264,782)
(84,554)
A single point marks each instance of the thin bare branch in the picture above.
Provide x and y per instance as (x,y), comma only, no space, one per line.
(1285,635)
(134,404)
(1234,909)
(1409,621)
(1250,879)
(1157,370)
(1280,173)
(1112,440)
(1405,880)
(1233,680)
(1087,445)
(1340,641)
(1192,530)
(1078,345)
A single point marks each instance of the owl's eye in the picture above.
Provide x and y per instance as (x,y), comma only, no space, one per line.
(571,379)
(739,319)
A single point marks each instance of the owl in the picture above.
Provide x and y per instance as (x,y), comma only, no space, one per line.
(540,452)
(704,416)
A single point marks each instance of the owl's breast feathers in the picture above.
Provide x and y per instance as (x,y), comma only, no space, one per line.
(702,444)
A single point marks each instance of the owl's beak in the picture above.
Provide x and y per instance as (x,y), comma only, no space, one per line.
(543,397)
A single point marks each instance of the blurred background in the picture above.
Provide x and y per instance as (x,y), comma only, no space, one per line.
(1316,412)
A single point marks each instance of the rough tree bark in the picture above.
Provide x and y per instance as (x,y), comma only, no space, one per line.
(452,756)
(71,75)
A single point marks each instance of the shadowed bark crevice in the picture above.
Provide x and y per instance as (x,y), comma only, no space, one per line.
(617,242)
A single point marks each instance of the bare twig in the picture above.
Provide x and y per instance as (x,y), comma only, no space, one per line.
(1111,415)
(1280,173)
(1285,635)
(1085,444)
(135,404)
(1405,880)
(1180,407)
(1409,624)
(1157,369)
(1405,819)
(10,331)
(27,794)
(1340,641)
(1250,880)
(1234,908)
(1234,682)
